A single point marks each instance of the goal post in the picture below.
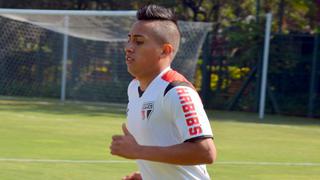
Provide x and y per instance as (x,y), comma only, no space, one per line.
(77,55)
(265,63)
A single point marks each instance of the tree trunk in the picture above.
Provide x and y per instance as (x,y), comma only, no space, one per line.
(318,15)
(280,14)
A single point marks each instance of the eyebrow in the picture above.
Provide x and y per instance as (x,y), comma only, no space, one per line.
(136,35)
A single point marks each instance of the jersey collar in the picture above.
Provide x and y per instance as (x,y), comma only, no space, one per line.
(153,81)
(163,72)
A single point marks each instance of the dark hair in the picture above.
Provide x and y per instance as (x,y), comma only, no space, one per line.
(155,12)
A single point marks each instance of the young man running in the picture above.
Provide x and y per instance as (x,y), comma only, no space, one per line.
(168,132)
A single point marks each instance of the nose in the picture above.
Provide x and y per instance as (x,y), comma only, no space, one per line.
(128,48)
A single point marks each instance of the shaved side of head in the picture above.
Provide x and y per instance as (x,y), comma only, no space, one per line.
(164,25)
(167,32)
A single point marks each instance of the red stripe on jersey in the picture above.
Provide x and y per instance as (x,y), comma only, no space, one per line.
(172,76)
(187,105)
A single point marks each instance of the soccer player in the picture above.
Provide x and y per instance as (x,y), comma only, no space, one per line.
(167,132)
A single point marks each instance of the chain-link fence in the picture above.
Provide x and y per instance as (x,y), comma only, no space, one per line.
(32,49)
(231,71)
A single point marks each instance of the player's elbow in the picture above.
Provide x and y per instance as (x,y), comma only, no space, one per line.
(211,157)
(211,154)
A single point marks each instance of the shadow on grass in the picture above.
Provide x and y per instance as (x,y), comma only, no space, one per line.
(49,106)
(249,117)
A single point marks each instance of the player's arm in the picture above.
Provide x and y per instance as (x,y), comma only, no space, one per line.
(184,105)
(197,151)
(201,151)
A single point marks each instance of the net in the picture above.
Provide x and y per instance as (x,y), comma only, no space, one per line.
(31,53)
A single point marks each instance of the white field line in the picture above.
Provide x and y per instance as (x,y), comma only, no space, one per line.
(63,161)
(16,160)
(268,163)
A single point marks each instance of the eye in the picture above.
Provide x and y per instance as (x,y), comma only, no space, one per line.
(139,42)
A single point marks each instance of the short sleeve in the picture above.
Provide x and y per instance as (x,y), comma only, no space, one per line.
(185,108)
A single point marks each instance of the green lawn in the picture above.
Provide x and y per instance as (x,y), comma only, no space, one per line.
(78,136)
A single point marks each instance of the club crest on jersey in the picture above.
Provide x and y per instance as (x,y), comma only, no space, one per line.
(147,109)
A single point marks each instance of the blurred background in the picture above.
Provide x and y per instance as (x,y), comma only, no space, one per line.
(63,85)
(228,71)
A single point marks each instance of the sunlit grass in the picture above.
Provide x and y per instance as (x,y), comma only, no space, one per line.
(50,130)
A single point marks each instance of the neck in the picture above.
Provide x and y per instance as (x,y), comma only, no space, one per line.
(146,80)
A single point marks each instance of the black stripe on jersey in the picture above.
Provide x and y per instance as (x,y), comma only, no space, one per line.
(140,91)
(174,84)
(198,138)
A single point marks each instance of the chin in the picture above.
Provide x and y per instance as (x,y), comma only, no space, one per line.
(131,72)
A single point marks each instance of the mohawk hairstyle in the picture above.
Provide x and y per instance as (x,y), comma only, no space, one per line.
(155,12)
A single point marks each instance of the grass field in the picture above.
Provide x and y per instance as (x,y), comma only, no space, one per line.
(43,139)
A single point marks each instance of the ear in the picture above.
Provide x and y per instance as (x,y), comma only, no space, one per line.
(167,50)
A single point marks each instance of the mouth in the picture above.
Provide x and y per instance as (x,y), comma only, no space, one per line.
(129,60)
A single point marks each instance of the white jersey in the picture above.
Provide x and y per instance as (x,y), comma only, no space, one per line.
(168,112)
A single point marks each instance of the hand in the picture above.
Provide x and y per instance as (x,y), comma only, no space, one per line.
(133,176)
(124,145)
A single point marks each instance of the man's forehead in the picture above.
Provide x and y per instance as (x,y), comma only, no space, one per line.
(142,29)
(146,23)
(144,26)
